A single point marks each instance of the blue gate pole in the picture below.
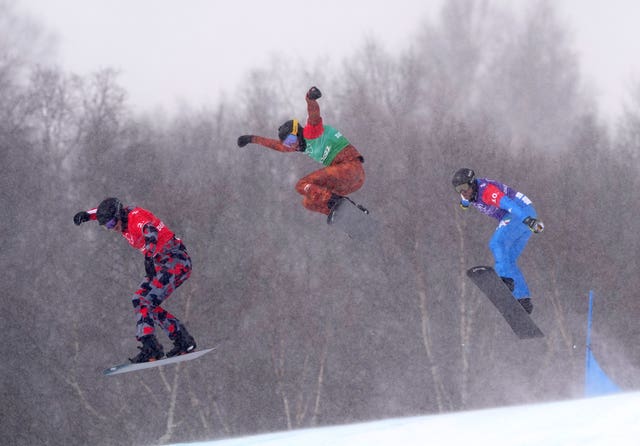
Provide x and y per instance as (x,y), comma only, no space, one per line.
(588,347)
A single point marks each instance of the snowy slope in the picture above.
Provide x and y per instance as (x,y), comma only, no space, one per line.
(605,421)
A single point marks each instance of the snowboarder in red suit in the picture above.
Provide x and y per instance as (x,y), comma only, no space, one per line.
(167,265)
(323,190)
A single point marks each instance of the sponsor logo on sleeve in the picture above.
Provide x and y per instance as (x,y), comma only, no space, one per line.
(522,197)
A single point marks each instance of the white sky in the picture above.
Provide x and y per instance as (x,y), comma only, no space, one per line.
(607,38)
(170,51)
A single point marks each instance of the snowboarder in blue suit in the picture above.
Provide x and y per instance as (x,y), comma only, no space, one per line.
(517,221)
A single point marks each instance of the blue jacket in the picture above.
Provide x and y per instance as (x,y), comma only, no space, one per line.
(496,200)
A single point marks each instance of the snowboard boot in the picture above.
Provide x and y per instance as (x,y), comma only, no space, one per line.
(183,343)
(334,203)
(508,281)
(526,304)
(151,350)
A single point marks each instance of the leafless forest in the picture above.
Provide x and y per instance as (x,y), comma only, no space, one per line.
(312,328)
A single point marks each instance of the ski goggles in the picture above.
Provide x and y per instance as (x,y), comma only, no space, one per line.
(111,223)
(290,140)
(462,187)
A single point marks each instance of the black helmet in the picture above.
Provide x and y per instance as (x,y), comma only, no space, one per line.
(292,127)
(109,209)
(463,176)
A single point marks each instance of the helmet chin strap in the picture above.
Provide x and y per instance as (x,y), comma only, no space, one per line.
(302,143)
(124,218)
(474,195)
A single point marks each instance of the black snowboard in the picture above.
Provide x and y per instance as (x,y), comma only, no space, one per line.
(499,294)
(355,220)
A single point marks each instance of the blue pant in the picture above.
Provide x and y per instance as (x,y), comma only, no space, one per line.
(507,243)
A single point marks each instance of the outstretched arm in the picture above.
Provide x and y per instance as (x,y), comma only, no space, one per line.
(83,216)
(313,109)
(314,127)
(266,142)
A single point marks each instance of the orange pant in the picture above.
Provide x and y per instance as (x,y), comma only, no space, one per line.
(343,176)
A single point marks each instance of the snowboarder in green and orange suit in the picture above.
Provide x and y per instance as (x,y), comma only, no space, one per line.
(323,190)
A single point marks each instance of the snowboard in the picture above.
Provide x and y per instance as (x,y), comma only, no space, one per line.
(131,367)
(354,220)
(500,296)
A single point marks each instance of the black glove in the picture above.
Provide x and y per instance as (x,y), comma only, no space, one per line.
(81,217)
(149,267)
(314,93)
(244,140)
(534,224)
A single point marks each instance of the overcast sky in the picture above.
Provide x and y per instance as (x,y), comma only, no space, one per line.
(191,50)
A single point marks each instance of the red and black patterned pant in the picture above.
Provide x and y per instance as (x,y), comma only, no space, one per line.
(343,176)
(173,267)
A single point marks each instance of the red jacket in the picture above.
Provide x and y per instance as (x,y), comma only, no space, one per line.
(144,231)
